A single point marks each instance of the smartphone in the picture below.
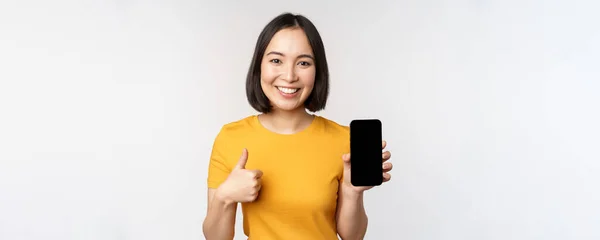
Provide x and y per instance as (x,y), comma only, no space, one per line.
(366,152)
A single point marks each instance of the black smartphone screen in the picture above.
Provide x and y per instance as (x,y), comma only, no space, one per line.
(366,152)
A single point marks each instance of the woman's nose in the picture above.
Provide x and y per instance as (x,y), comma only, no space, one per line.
(290,74)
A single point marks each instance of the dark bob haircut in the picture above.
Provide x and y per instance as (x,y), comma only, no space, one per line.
(317,100)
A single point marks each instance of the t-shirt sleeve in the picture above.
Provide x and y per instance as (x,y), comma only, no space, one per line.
(218,169)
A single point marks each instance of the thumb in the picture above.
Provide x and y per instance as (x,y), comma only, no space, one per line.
(243,159)
(346,158)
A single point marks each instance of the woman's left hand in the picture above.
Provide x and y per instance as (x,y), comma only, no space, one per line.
(387,167)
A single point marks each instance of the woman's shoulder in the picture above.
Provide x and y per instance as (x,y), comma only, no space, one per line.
(333,126)
(238,126)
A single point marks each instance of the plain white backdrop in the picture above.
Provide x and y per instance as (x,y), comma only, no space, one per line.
(108,110)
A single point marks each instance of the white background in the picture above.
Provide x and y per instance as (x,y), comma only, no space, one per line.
(491,110)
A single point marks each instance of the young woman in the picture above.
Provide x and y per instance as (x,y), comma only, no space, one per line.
(288,168)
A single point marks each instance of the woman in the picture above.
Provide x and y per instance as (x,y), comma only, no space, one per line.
(288,168)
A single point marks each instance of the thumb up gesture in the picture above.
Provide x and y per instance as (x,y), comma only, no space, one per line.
(242,185)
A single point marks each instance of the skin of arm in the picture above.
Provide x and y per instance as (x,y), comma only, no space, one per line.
(351,217)
(219,222)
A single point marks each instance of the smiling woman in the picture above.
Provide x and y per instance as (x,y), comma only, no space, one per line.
(292,177)
(287,70)
(289,57)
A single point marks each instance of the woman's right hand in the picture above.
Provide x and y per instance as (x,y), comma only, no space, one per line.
(242,185)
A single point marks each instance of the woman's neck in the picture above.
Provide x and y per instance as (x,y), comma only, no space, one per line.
(286,122)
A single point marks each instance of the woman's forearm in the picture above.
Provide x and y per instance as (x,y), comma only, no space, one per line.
(219,223)
(352,219)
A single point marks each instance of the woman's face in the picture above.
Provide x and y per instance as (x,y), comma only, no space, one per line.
(288,69)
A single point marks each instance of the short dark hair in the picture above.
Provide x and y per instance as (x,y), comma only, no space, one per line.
(317,99)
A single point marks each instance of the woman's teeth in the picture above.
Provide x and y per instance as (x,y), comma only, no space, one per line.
(288,90)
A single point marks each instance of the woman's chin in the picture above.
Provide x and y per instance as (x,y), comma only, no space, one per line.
(288,107)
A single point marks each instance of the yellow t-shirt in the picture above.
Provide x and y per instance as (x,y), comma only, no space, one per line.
(301,175)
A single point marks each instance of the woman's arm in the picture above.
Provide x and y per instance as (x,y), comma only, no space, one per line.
(220,217)
(351,218)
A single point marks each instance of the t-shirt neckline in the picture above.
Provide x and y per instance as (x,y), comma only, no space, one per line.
(307,129)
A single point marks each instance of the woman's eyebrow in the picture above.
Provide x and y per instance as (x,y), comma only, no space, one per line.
(306,56)
(299,56)
(275,53)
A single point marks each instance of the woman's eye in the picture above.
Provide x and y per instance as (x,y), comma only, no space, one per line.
(275,61)
(304,64)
